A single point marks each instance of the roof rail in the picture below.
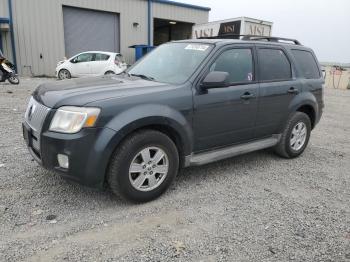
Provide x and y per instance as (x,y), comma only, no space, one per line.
(254,37)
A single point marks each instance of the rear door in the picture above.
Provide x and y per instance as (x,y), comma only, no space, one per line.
(100,64)
(278,87)
(225,116)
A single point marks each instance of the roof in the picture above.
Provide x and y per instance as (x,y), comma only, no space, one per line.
(100,52)
(221,41)
(170,2)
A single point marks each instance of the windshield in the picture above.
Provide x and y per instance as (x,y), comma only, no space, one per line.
(171,63)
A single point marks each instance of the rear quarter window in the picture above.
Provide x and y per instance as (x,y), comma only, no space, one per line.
(306,64)
(119,58)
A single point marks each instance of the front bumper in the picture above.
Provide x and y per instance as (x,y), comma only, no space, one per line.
(89,152)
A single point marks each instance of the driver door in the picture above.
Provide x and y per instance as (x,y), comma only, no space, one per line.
(82,64)
(225,116)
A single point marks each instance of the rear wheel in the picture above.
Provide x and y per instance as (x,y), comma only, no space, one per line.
(143,166)
(109,73)
(14,79)
(64,74)
(295,136)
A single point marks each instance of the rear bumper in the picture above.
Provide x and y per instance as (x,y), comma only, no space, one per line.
(88,151)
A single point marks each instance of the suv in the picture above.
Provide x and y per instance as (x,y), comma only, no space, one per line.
(186,103)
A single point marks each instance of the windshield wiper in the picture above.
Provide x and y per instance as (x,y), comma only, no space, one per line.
(143,76)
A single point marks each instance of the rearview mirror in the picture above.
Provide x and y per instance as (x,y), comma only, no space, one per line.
(215,79)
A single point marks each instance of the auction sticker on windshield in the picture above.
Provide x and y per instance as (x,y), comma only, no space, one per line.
(197,47)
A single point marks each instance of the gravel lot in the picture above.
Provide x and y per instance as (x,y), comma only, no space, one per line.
(256,207)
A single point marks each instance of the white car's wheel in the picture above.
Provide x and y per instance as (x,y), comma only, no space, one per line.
(64,74)
(109,73)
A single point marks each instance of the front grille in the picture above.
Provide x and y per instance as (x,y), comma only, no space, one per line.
(35,116)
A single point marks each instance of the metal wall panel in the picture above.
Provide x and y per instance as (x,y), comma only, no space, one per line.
(178,13)
(4,8)
(39,29)
(5,35)
(6,45)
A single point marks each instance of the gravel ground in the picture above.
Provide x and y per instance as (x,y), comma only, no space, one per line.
(256,207)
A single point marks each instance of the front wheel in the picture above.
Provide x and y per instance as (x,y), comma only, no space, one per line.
(295,136)
(143,166)
(64,74)
(14,80)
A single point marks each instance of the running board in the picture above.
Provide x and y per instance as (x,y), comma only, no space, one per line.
(227,152)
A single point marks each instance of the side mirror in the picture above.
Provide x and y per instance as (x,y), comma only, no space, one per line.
(324,73)
(215,79)
(74,60)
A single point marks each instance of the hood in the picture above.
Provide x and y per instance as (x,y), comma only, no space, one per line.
(79,92)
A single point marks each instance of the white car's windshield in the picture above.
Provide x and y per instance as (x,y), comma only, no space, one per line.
(171,63)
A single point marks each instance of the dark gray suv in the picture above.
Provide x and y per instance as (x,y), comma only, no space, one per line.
(186,103)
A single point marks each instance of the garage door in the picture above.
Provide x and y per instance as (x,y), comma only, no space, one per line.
(89,30)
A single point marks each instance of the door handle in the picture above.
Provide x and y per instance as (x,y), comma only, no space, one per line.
(247,96)
(293,90)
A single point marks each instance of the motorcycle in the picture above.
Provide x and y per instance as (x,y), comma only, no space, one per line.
(9,73)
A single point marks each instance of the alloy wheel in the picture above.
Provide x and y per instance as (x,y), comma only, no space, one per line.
(148,169)
(64,74)
(298,136)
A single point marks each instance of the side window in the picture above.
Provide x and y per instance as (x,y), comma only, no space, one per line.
(273,65)
(86,57)
(101,57)
(307,64)
(237,62)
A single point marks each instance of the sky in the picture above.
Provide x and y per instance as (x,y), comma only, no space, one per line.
(323,25)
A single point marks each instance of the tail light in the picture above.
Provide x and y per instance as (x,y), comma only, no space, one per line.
(117,62)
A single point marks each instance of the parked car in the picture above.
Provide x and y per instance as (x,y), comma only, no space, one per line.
(186,103)
(92,63)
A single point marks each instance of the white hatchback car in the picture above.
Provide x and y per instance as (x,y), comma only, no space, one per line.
(91,63)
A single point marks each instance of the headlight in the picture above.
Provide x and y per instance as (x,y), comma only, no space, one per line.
(71,119)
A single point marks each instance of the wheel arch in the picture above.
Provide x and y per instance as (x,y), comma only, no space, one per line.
(164,125)
(305,103)
(162,118)
(170,127)
(310,112)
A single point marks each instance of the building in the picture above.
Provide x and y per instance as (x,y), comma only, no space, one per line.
(36,34)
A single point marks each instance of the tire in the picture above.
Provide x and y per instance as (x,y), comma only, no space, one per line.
(109,73)
(128,184)
(14,80)
(289,146)
(64,74)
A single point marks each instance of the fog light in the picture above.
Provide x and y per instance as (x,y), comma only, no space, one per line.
(63,160)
